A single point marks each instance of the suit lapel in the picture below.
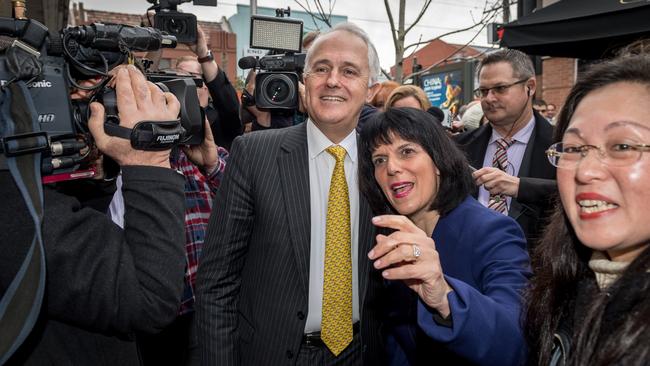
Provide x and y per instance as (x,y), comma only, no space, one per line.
(477,146)
(524,170)
(534,160)
(539,165)
(294,175)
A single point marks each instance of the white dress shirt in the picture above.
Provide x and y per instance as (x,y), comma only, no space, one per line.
(321,166)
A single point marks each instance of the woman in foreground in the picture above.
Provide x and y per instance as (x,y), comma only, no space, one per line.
(455,268)
(590,300)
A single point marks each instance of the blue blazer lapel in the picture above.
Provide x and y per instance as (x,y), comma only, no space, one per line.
(294,175)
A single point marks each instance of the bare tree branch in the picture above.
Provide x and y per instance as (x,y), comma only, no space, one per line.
(387,75)
(391,21)
(422,11)
(308,10)
(455,52)
(487,16)
(489,11)
(415,49)
(319,12)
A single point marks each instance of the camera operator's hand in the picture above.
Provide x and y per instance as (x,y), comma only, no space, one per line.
(205,155)
(200,49)
(137,100)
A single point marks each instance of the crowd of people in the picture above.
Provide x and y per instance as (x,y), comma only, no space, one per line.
(359,230)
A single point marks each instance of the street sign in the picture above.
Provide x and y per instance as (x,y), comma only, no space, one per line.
(255,52)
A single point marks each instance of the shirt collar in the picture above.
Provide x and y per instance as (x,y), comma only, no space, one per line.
(317,142)
(522,136)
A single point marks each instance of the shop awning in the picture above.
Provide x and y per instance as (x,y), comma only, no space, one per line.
(588,29)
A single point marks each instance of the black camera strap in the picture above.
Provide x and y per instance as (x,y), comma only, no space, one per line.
(149,135)
(21,303)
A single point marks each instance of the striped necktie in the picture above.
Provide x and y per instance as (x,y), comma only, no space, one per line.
(336,322)
(498,202)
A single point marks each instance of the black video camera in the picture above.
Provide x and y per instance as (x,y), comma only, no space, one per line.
(51,64)
(276,86)
(181,25)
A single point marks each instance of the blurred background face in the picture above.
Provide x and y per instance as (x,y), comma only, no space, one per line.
(409,101)
(407,176)
(194,68)
(607,205)
(379,100)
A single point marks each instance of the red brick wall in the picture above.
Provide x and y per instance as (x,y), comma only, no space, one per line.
(558,78)
(432,53)
(222,44)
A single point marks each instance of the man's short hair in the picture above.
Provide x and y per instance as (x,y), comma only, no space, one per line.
(309,38)
(373,58)
(522,65)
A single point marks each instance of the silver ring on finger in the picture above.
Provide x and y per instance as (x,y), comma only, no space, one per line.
(416,251)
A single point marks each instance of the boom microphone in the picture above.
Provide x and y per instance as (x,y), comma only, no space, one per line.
(247,62)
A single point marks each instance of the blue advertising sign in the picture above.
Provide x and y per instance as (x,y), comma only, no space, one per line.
(445,91)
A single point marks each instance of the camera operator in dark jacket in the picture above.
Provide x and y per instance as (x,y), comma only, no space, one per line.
(102,282)
(223,114)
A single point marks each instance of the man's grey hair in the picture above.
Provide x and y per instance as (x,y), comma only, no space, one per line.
(522,65)
(373,58)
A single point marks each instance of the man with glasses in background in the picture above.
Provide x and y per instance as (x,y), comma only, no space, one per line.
(513,175)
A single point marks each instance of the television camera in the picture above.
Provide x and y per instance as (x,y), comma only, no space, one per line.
(181,25)
(51,63)
(276,85)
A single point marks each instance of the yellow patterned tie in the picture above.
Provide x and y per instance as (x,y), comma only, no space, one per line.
(336,324)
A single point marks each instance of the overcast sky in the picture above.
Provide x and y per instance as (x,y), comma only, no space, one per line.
(441,17)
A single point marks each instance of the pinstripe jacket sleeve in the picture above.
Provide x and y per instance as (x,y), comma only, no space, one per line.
(219,278)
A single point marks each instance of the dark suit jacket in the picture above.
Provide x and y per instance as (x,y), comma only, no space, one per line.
(537,187)
(484,259)
(253,278)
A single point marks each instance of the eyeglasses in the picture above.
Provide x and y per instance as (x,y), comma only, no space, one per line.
(567,156)
(498,90)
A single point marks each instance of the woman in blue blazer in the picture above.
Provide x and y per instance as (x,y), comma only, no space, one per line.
(454,269)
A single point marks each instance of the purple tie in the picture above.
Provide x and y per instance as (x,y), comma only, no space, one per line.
(498,202)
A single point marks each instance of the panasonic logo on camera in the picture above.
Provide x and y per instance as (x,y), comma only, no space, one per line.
(40,84)
(168,138)
(35,84)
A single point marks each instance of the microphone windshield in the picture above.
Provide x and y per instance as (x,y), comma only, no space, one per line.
(247,62)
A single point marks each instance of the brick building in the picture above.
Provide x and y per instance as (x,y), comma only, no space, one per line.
(435,52)
(558,76)
(221,41)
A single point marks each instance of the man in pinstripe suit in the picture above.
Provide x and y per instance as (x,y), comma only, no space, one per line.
(260,282)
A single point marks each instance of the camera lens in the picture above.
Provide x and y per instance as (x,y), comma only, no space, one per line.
(278,88)
(176,26)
